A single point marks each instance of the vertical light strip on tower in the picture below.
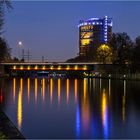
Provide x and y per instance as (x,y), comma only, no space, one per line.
(105,29)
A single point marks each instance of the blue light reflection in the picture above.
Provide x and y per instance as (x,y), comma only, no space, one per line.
(78,122)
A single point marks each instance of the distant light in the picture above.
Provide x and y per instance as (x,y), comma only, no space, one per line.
(20,43)
(43,67)
(59,68)
(68,67)
(36,67)
(51,67)
(76,67)
(28,68)
(21,67)
(85,67)
(14,67)
(94,19)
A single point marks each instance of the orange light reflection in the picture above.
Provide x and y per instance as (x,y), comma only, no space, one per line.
(19,112)
(36,89)
(51,90)
(85,88)
(59,90)
(67,89)
(105,114)
(28,83)
(14,89)
(43,89)
(75,89)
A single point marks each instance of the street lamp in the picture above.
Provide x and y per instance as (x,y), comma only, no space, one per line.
(20,44)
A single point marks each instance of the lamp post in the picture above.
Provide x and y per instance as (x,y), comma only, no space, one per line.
(19,49)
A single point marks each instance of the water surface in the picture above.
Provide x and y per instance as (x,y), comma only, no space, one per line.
(72,108)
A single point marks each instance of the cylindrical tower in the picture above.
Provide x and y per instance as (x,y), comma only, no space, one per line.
(92,33)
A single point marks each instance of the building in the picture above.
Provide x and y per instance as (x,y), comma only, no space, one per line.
(92,33)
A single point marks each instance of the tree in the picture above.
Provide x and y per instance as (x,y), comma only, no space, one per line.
(4,51)
(136,55)
(122,46)
(3,4)
(104,53)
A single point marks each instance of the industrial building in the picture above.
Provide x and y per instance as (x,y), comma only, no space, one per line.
(92,33)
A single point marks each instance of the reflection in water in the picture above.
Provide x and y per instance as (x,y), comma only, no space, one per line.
(43,89)
(67,90)
(85,88)
(85,107)
(75,90)
(124,101)
(100,85)
(1,96)
(19,113)
(77,121)
(109,88)
(93,84)
(87,114)
(28,83)
(59,90)
(36,89)
(14,88)
(105,114)
(51,90)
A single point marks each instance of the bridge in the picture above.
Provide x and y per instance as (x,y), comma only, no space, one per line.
(34,67)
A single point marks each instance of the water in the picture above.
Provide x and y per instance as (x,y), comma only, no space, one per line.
(72,108)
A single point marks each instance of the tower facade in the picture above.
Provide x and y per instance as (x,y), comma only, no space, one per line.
(92,33)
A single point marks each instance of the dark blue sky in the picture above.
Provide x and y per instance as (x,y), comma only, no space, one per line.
(50,29)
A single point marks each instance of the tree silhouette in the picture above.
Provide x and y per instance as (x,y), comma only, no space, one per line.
(3,4)
(136,56)
(122,46)
(4,49)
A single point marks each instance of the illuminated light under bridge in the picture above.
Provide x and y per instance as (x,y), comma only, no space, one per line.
(50,66)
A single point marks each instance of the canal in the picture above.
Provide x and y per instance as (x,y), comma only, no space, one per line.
(72,108)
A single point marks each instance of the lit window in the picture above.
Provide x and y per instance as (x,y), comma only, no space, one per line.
(85,41)
(87,27)
(86,34)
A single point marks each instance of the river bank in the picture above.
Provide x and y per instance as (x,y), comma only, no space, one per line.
(116,76)
(7,128)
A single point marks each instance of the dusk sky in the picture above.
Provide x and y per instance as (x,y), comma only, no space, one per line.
(50,29)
